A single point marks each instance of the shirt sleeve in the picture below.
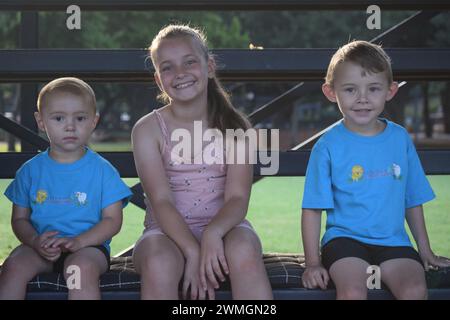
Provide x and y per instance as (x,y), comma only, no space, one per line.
(114,189)
(318,191)
(18,190)
(418,188)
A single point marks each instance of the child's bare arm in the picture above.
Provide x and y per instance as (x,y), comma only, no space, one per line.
(315,274)
(416,223)
(25,232)
(150,168)
(311,222)
(21,225)
(236,198)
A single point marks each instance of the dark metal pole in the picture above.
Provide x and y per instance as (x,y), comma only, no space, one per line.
(29,91)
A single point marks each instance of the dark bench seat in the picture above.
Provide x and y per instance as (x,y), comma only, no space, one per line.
(284,271)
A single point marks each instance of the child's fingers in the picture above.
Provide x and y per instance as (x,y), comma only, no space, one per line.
(194,291)
(224,264)
(53,251)
(203,276)
(441,262)
(48,242)
(201,294)
(319,281)
(211,276)
(69,244)
(57,242)
(217,270)
(184,290)
(211,293)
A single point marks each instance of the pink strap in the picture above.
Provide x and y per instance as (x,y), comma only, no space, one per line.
(162,124)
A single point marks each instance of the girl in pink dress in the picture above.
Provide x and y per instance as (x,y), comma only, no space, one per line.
(195,227)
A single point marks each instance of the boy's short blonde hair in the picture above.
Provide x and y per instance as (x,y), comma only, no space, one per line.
(71,85)
(369,56)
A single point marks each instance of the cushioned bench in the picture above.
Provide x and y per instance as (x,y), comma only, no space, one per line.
(284,271)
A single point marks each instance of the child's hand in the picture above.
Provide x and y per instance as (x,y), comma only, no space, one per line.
(39,244)
(431,261)
(315,276)
(191,279)
(67,244)
(213,259)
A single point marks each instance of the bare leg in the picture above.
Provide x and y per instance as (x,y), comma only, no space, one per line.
(22,265)
(91,263)
(160,263)
(350,277)
(405,278)
(247,272)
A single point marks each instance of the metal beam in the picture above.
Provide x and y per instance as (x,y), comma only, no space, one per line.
(291,163)
(25,65)
(23,133)
(195,5)
(29,38)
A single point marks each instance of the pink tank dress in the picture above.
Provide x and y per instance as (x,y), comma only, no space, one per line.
(198,190)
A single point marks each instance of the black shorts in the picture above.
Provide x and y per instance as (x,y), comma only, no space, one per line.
(339,248)
(58,265)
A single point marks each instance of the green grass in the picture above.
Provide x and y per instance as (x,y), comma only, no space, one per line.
(274,212)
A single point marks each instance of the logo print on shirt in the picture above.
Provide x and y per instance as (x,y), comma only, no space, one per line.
(357,173)
(396,171)
(81,198)
(41,196)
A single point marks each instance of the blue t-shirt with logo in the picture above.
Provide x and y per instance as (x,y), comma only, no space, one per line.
(365,184)
(67,197)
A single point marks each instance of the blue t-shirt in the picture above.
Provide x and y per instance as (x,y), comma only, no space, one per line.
(67,197)
(365,184)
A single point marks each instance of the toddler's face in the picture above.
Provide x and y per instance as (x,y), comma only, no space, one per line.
(68,121)
(361,96)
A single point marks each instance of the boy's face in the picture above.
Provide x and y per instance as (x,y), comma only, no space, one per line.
(360,95)
(68,121)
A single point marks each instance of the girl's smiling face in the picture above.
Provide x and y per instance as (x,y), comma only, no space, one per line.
(182,70)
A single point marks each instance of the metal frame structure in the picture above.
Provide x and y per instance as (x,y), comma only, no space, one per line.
(222,5)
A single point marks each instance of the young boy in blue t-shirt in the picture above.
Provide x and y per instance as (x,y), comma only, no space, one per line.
(366,174)
(67,200)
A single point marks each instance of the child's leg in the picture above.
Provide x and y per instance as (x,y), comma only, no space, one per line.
(350,278)
(247,272)
(20,267)
(160,263)
(91,263)
(405,278)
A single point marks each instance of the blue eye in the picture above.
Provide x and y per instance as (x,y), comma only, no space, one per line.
(81,118)
(373,89)
(58,118)
(349,90)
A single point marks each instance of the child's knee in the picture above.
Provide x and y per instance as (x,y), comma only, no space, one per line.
(160,263)
(244,256)
(87,268)
(352,293)
(18,266)
(413,291)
